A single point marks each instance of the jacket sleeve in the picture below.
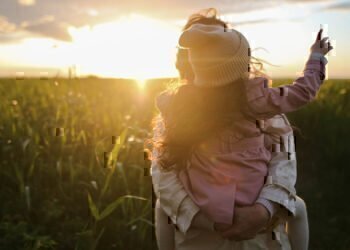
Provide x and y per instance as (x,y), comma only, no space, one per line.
(282,169)
(172,196)
(265,102)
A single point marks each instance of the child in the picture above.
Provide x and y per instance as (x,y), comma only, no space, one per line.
(217,180)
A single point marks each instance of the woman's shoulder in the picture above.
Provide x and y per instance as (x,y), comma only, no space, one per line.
(162,100)
(278,124)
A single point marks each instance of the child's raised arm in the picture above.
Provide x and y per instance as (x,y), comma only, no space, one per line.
(265,102)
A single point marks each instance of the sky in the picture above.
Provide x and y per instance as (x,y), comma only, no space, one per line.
(137,39)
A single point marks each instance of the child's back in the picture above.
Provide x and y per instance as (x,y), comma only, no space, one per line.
(227,170)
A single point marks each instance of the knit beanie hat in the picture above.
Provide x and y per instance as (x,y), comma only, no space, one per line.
(218,55)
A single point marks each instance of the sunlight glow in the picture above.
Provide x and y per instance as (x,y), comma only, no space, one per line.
(133,46)
(139,47)
(141,83)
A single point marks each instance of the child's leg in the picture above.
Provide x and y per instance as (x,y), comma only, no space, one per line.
(298,227)
(165,232)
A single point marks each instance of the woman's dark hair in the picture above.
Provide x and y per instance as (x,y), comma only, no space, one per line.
(194,113)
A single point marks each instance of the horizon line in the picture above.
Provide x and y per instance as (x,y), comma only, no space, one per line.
(126,78)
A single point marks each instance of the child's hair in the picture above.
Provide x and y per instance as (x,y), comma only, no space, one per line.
(197,113)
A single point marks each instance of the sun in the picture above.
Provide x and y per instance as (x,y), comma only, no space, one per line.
(133,46)
(141,83)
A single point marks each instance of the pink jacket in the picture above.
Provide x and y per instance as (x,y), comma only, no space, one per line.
(230,169)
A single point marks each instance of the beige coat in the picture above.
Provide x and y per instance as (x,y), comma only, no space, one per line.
(279,187)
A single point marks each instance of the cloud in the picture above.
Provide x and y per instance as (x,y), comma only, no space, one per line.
(44,26)
(307,1)
(26,2)
(79,13)
(12,37)
(9,32)
(6,26)
(56,30)
(249,22)
(47,26)
(344,6)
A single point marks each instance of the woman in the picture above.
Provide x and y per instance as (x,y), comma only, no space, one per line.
(183,242)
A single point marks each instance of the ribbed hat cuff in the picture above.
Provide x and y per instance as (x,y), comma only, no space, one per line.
(221,75)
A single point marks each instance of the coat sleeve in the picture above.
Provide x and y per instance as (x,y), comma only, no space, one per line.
(172,196)
(264,102)
(282,169)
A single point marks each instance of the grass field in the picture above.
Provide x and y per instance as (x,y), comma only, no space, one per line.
(61,188)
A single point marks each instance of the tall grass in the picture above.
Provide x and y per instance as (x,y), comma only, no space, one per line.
(323,152)
(73,174)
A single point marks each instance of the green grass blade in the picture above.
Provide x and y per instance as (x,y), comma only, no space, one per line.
(20,180)
(93,208)
(94,246)
(112,159)
(115,151)
(111,207)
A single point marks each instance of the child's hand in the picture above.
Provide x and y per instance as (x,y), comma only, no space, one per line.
(320,45)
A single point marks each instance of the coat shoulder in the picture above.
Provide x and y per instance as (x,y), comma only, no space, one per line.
(278,124)
(162,101)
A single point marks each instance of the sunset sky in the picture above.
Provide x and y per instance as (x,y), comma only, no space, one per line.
(137,39)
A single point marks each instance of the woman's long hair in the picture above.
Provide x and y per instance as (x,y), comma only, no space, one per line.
(196,113)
